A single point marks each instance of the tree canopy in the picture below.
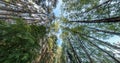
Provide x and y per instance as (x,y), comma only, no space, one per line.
(30,32)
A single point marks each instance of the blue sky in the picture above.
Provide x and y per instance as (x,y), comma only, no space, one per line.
(57,10)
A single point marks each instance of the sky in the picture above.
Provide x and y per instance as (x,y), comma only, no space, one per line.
(57,13)
(57,10)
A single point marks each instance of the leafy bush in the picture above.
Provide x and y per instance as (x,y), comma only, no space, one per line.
(19,42)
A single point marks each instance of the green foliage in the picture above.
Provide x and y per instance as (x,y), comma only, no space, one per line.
(38,31)
(19,41)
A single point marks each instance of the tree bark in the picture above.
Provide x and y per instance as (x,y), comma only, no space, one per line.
(105,31)
(102,42)
(107,20)
(104,51)
(79,60)
(96,7)
(106,43)
(82,46)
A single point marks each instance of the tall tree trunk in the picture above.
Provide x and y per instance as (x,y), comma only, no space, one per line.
(82,46)
(104,51)
(105,31)
(75,53)
(95,7)
(106,43)
(107,20)
(100,41)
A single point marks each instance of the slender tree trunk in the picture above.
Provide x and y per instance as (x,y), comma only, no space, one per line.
(79,60)
(110,32)
(106,43)
(102,42)
(88,55)
(104,51)
(95,7)
(107,20)
(13,10)
(32,19)
(99,47)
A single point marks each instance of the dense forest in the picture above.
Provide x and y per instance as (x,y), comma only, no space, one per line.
(30,31)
